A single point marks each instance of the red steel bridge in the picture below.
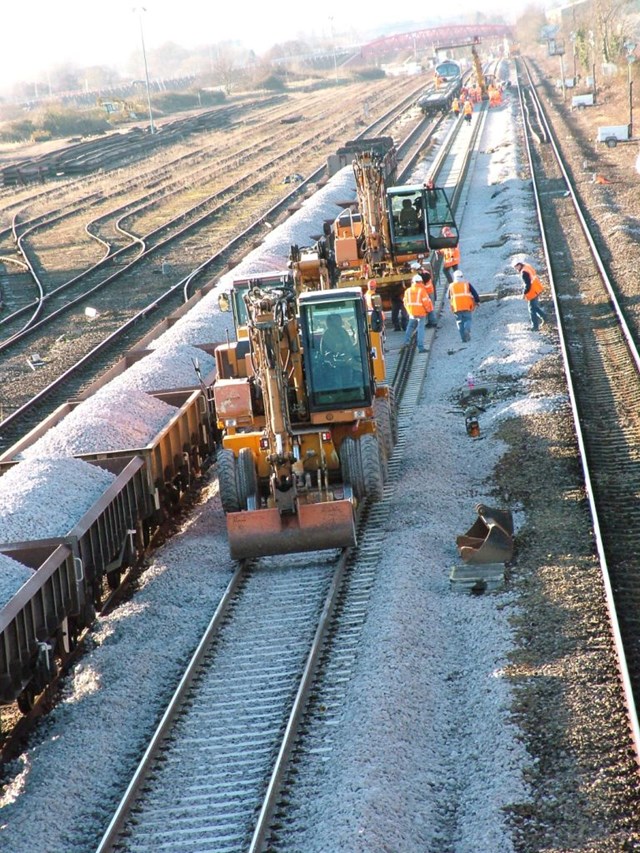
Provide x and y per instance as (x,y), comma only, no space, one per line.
(435,38)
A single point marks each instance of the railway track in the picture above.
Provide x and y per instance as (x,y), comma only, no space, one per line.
(602,366)
(244,694)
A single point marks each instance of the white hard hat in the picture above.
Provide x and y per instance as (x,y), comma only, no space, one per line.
(414,265)
(417,279)
(457,276)
(519,259)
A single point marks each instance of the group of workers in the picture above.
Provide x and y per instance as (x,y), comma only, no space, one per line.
(465,105)
(417,307)
(473,94)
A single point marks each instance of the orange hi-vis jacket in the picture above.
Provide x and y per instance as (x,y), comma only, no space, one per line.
(535,288)
(460,297)
(468,108)
(368,298)
(417,300)
(450,257)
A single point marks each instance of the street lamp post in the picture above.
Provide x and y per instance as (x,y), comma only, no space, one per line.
(140,10)
(333,46)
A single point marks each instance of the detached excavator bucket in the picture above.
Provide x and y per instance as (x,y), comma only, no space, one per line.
(489,539)
(315,527)
(503,517)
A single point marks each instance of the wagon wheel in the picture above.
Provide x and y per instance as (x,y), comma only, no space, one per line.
(27,699)
(114,578)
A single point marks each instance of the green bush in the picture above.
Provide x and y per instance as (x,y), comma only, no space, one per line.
(175,102)
(64,122)
(369,74)
(272,83)
(17,131)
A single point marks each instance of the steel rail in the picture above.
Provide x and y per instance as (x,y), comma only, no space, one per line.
(590,492)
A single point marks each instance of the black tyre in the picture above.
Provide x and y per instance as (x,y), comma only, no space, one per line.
(382,411)
(247,480)
(393,412)
(372,469)
(351,466)
(226,463)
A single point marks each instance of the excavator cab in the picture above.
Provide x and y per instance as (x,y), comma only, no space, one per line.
(420,221)
(336,349)
(241,286)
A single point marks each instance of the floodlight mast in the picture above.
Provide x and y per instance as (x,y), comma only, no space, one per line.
(139,10)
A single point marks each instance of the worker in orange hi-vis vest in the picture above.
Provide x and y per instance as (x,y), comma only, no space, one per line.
(450,257)
(532,290)
(467,111)
(371,291)
(455,107)
(418,304)
(427,279)
(463,299)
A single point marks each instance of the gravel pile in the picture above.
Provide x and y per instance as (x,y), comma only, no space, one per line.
(112,419)
(45,498)
(12,576)
(165,368)
(203,324)
(302,229)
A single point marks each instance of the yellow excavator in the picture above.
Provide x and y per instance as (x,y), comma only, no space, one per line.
(305,428)
(387,229)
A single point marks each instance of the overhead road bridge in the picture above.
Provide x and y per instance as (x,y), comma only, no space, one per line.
(434,38)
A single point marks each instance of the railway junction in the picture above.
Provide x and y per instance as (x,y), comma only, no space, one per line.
(439,718)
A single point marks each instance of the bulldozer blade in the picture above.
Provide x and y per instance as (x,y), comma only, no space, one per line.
(315,527)
(496,547)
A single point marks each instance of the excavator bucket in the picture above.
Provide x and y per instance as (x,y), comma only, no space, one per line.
(489,539)
(315,527)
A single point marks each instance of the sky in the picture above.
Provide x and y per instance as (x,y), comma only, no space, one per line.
(55,32)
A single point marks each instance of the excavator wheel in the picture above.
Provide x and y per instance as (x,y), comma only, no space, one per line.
(352,467)
(227,485)
(247,480)
(384,426)
(393,412)
(372,469)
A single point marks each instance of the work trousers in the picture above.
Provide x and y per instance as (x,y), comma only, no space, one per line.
(449,271)
(463,321)
(536,313)
(399,315)
(418,324)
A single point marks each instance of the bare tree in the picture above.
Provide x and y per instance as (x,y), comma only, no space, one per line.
(225,66)
(613,27)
